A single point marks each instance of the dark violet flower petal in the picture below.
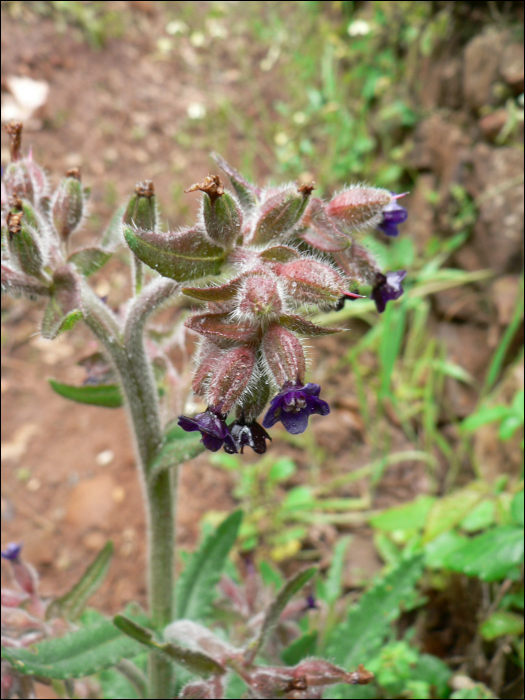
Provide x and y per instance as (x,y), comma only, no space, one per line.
(387,288)
(293,405)
(248,434)
(213,429)
(12,551)
(393,215)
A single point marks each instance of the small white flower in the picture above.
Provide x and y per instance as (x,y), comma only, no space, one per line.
(359,28)
(196,110)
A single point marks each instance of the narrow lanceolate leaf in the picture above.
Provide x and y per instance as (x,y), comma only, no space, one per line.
(105,395)
(193,661)
(72,603)
(296,324)
(64,308)
(179,446)
(196,586)
(247,193)
(273,613)
(218,326)
(223,292)
(360,637)
(89,260)
(14,282)
(184,255)
(77,654)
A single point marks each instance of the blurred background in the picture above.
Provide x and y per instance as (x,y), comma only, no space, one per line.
(427,399)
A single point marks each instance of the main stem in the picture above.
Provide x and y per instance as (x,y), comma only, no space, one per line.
(126,347)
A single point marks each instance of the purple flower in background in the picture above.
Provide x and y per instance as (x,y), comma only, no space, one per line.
(12,552)
(248,434)
(213,429)
(393,215)
(387,288)
(293,405)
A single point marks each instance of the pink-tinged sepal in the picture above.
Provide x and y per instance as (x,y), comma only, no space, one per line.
(183,255)
(322,232)
(358,264)
(15,282)
(279,214)
(311,282)
(284,356)
(358,207)
(219,327)
(220,293)
(259,298)
(209,355)
(247,193)
(230,379)
(279,254)
(68,204)
(318,672)
(300,325)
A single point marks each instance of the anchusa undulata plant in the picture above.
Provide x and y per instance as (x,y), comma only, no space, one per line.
(260,260)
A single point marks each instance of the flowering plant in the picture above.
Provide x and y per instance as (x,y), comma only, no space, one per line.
(267,257)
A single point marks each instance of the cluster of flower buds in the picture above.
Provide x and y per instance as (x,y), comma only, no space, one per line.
(285,253)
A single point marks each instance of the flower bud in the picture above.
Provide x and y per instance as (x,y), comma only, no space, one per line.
(284,356)
(358,207)
(24,574)
(260,297)
(222,215)
(230,379)
(141,210)
(24,245)
(26,179)
(247,193)
(311,282)
(358,264)
(67,205)
(322,232)
(279,214)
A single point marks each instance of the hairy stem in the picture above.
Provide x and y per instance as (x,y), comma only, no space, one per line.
(127,350)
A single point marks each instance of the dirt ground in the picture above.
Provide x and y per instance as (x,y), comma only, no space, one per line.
(68,478)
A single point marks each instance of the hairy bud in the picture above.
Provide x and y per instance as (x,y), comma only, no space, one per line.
(141,210)
(260,297)
(279,213)
(230,379)
(284,356)
(222,215)
(312,282)
(68,205)
(24,245)
(358,207)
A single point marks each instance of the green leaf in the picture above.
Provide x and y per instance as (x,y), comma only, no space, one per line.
(179,446)
(438,549)
(450,510)
(298,498)
(89,260)
(516,509)
(105,395)
(300,648)
(360,637)
(193,661)
(484,416)
(196,585)
(333,584)
(180,256)
(509,425)
(480,518)
(72,603)
(433,671)
(491,556)
(270,575)
(409,516)
(273,613)
(64,307)
(477,691)
(502,623)
(282,470)
(77,654)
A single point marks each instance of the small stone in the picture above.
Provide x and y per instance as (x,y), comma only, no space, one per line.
(104,458)
(34,484)
(94,541)
(118,494)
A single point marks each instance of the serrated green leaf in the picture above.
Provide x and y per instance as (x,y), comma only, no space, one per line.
(77,654)
(193,661)
(72,603)
(334,579)
(450,510)
(501,623)
(180,256)
(179,446)
(273,613)
(359,638)
(105,395)
(491,556)
(409,516)
(196,585)
(300,648)
(89,260)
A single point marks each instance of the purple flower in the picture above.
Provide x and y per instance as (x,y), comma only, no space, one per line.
(251,434)
(213,429)
(12,553)
(393,215)
(293,405)
(387,288)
